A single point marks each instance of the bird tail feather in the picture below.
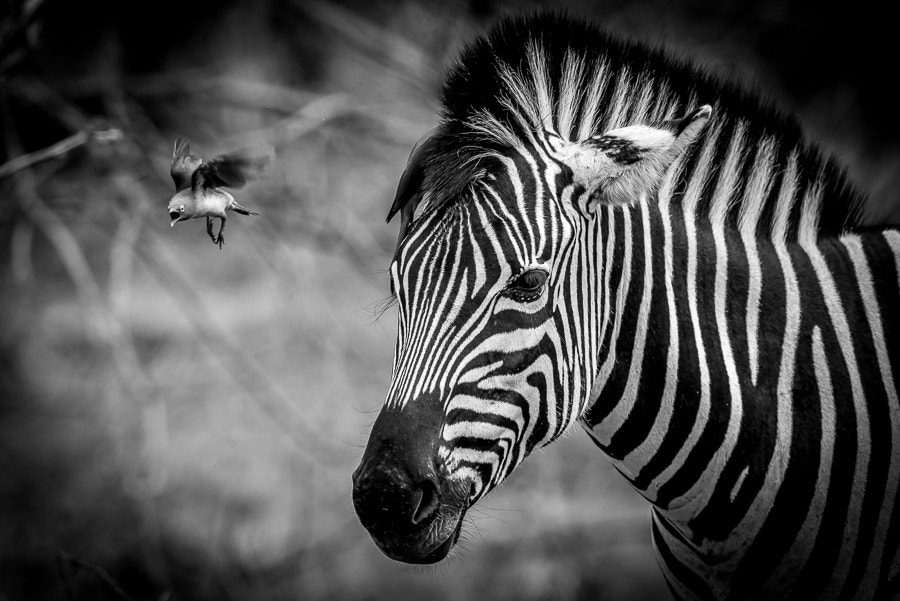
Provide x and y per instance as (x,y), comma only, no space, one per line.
(242,210)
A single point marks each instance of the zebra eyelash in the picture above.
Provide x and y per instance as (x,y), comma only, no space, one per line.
(378,308)
(527,285)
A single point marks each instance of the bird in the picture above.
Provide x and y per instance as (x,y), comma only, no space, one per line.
(198,185)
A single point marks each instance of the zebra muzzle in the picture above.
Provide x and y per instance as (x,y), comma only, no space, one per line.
(407,518)
(409,506)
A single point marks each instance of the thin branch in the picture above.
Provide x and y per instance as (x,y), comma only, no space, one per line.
(67,582)
(101,321)
(52,101)
(310,117)
(96,570)
(11,35)
(396,54)
(20,251)
(51,152)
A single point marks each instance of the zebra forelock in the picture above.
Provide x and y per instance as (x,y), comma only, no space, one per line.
(553,74)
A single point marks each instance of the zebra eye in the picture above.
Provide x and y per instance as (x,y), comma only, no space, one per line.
(528,285)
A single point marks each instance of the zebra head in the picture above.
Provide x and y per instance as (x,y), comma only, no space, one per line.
(491,360)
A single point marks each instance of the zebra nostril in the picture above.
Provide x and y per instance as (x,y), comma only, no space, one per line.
(429,502)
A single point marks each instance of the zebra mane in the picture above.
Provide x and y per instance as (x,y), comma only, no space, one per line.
(551,72)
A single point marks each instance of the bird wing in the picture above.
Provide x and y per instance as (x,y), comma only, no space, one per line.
(233,170)
(183,164)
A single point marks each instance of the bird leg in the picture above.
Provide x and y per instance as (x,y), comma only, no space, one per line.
(220,240)
(209,230)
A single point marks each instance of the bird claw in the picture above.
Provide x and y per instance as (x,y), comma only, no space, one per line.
(220,240)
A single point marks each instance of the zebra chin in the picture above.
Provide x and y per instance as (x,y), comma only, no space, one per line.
(433,548)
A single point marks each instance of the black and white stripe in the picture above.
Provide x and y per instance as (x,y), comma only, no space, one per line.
(713,319)
(759,479)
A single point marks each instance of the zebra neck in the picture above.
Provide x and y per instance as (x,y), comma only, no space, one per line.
(695,394)
(738,415)
(664,348)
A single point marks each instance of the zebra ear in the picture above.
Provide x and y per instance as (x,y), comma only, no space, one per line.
(409,190)
(621,165)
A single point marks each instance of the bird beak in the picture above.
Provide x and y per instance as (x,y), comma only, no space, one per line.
(175,216)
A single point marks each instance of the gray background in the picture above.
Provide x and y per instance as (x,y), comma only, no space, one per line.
(180,422)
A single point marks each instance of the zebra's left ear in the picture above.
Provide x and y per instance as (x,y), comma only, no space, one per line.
(621,165)
(409,190)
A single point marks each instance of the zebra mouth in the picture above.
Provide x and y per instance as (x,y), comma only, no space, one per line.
(441,551)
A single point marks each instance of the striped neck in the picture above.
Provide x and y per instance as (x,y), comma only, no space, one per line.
(722,405)
(668,399)
(667,406)
(655,378)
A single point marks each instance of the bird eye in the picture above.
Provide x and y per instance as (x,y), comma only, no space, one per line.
(181,209)
(528,285)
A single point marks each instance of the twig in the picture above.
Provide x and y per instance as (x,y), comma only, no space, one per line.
(399,56)
(20,251)
(8,62)
(19,24)
(36,92)
(67,582)
(102,323)
(310,117)
(97,570)
(224,88)
(56,150)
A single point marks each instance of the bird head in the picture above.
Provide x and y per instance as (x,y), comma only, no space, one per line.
(181,207)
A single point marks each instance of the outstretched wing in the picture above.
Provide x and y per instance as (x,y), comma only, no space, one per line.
(183,164)
(233,170)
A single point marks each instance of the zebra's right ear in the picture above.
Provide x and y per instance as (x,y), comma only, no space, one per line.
(621,165)
(409,190)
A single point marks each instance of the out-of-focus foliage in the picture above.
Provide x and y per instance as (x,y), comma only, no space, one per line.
(180,422)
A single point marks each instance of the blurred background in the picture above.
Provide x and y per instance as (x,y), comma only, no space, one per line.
(181,422)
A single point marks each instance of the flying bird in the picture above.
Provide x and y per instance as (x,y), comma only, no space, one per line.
(198,185)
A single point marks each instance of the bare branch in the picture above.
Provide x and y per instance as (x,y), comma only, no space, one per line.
(64,574)
(56,150)
(96,570)
(406,60)
(20,251)
(64,146)
(102,322)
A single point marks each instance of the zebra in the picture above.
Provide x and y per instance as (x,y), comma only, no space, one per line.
(601,232)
